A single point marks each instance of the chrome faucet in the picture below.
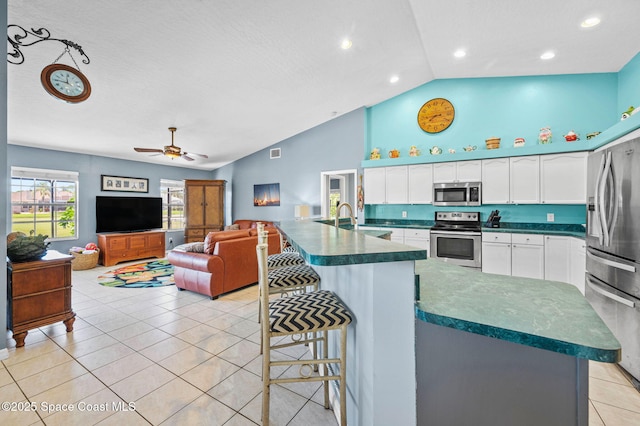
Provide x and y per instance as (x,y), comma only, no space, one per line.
(348,206)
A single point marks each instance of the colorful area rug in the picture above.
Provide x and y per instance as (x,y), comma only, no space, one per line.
(157,273)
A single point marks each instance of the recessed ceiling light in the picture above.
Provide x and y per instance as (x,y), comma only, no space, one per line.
(346,44)
(547,55)
(590,22)
(460,53)
(394,79)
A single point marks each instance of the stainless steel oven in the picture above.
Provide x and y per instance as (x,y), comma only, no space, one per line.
(456,238)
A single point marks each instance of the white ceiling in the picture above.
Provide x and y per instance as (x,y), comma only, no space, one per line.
(235,76)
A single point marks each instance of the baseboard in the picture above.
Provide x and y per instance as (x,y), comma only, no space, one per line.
(4,354)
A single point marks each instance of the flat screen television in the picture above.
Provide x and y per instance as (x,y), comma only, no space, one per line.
(128,214)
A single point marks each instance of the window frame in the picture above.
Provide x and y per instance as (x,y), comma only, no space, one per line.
(167,184)
(55,208)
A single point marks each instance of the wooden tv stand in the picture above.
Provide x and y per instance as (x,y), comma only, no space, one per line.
(120,247)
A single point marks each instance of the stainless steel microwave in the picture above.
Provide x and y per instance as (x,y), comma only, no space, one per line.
(457,194)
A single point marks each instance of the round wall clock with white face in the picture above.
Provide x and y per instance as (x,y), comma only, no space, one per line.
(65,82)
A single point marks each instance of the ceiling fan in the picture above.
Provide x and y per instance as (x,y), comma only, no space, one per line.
(172,151)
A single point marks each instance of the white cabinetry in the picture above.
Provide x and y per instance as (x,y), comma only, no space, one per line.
(563,178)
(420,238)
(374,186)
(578,263)
(397,235)
(496,253)
(557,256)
(524,174)
(420,184)
(386,185)
(458,171)
(527,256)
(396,185)
(495,181)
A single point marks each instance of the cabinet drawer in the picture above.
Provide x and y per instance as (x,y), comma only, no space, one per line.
(532,239)
(117,243)
(417,233)
(38,306)
(195,232)
(38,280)
(496,237)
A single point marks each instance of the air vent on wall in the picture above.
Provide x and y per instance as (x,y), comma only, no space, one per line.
(274,153)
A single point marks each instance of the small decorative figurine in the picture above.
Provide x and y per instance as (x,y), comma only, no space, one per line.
(452,151)
(394,153)
(435,150)
(470,148)
(628,113)
(375,154)
(545,135)
(414,151)
(518,142)
(571,136)
(592,135)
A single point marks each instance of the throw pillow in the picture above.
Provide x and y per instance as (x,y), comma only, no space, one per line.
(234,227)
(196,247)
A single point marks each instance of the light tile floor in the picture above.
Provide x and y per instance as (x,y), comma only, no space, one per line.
(160,356)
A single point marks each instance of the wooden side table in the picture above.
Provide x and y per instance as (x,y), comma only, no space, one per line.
(38,294)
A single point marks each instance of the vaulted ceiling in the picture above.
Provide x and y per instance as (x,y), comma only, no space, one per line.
(237,76)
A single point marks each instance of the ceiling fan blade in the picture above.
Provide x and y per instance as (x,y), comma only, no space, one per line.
(148,150)
(186,157)
(199,155)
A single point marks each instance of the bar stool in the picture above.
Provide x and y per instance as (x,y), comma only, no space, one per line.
(307,314)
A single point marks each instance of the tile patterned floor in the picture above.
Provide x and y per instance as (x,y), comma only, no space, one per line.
(159,356)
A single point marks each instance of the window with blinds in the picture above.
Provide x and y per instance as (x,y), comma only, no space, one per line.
(172,193)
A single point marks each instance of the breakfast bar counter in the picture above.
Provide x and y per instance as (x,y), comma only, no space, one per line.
(375,278)
(494,349)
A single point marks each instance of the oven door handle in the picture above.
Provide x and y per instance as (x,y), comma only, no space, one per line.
(466,234)
(593,285)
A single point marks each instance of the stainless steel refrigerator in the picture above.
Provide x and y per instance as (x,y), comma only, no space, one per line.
(613,243)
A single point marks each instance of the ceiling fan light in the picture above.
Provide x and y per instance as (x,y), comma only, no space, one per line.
(172,154)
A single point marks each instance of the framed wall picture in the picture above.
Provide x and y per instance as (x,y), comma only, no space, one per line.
(267,194)
(123,184)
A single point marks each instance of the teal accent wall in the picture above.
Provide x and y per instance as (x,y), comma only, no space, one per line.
(629,85)
(505,107)
(522,213)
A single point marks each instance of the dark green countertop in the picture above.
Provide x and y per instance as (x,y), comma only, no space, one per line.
(542,314)
(326,245)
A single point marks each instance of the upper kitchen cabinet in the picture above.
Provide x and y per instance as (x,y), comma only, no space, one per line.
(563,178)
(420,184)
(495,181)
(458,171)
(524,178)
(386,185)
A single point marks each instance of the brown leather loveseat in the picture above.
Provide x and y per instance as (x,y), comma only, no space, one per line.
(228,262)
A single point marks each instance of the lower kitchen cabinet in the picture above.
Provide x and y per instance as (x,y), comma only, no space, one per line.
(557,258)
(420,238)
(578,263)
(527,256)
(496,253)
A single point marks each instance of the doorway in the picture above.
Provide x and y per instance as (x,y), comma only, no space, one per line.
(338,186)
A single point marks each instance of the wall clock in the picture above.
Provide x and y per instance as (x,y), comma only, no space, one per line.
(65,82)
(436,115)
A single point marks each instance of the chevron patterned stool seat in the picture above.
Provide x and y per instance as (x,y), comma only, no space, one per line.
(289,249)
(302,313)
(304,318)
(291,277)
(283,259)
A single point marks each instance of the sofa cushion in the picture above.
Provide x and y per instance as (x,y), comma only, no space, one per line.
(249,223)
(234,227)
(213,237)
(197,247)
(254,231)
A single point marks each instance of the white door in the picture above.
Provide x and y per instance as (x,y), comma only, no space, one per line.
(524,182)
(469,171)
(495,181)
(527,256)
(563,178)
(420,184)
(396,185)
(496,258)
(374,186)
(557,256)
(445,172)
(578,263)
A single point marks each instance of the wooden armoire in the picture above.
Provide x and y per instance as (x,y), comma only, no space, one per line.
(204,208)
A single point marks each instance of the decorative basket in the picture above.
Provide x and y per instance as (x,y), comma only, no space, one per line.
(82,261)
(493,143)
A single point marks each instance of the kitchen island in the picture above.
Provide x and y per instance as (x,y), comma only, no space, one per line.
(501,350)
(375,278)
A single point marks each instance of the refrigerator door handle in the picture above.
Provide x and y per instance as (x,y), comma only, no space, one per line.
(595,287)
(604,220)
(597,201)
(611,263)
